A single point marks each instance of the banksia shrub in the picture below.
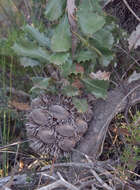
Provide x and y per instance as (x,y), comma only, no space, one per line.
(54,125)
(69,54)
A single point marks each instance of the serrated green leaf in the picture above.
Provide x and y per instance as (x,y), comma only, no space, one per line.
(67,68)
(107,60)
(70,91)
(36,91)
(61,40)
(85,55)
(42,84)
(36,80)
(87,44)
(104,37)
(59,58)
(37,53)
(96,6)
(25,42)
(80,104)
(89,21)
(39,37)
(103,40)
(54,9)
(27,62)
(96,87)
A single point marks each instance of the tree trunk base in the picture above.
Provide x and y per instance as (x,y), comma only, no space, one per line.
(104,112)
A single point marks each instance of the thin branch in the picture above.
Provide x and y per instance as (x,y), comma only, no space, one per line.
(22,179)
(14,170)
(81,165)
(66,184)
(71,164)
(128,55)
(12,144)
(60,182)
(127,5)
(17,92)
(104,185)
(87,183)
(52,186)
(104,129)
(93,187)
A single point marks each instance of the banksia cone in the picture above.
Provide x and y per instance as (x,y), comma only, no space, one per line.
(55,126)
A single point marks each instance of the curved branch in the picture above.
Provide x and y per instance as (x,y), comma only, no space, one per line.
(127,5)
(104,112)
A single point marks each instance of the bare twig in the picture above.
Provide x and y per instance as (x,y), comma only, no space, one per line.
(79,165)
(66,184)
(93,187)
(12,144)
(22,179)
(106,3)
(71,164)
(104,111)
(138,64)
(87,183)
(127,5)
(60,182)
(17,92)
(116,180)
(10,182)
(117,108)
(52,186)
(104,185)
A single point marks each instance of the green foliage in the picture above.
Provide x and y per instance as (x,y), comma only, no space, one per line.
(96,87)
(80,104)
(70,91)
(6,43)
(131,152)
(35,53)
(67,69)
(54,9)
(59,58)
(36,35)
(86,55)
(40,83)
(26,62)
(54,47)
(61,40)
(89,20)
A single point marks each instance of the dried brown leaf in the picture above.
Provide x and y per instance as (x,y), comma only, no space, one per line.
(77,83)
(134,39)
(123,131)
(19,105)
(21,165)
(100,75)
(79,68)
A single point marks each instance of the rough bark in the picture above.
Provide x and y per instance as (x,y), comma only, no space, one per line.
(104,112)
